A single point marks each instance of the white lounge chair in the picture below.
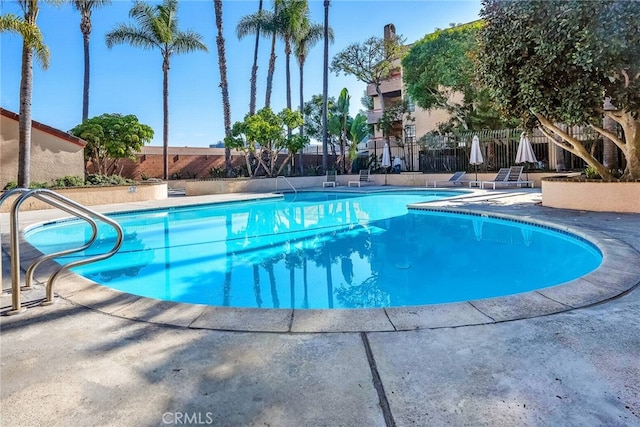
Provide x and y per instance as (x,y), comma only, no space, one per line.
(363,178)
(330,180)
(508,176)
(456,179)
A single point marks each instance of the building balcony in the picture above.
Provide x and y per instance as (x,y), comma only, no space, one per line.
(373,116)
(391,86)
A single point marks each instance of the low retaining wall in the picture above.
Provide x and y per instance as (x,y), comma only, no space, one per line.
(591,195)
(262,185)
(91,196)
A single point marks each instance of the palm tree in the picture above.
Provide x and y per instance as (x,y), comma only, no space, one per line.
(309,35)
(252,25)
(32,42)
(85,7)
(157,28)
(290,18)
(224,84)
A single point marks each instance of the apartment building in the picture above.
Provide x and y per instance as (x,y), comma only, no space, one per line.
(404,132)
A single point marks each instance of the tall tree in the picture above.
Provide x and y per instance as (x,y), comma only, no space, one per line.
(309,35)
(557,61)
(325,87)
(32,43)
(371,62)
(252,24)
(440,66)
(290,18)
(157,27)
(339,124)
(224,85)
(85,7)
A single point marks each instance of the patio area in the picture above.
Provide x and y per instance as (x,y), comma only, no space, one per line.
(67,364)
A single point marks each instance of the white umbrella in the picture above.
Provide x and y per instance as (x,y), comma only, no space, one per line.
(476,154)
(525,152)
(386,160)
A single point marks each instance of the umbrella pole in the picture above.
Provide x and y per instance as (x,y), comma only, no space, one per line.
(476,168)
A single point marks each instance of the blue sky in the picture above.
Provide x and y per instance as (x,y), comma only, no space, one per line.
(128,80)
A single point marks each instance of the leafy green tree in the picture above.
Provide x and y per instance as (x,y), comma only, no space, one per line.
(371,62)
(339,124)
(32,43)
(111,137)
(558,61)
(312,113)
(439,72)
(264,135)
(157,27)
(86,7)
(393,114)
(358,131)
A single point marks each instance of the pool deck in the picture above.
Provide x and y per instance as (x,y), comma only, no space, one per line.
(567,355)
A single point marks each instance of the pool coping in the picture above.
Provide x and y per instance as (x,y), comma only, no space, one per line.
(611,279)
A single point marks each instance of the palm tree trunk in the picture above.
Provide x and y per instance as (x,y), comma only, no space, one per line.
(85,28)
(224,84)
(254,70)
(325,87)
(300,156)
(272,69)
(24,123)
(287,53)
(85,89)
(165,110)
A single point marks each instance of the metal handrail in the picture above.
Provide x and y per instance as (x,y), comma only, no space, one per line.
(287,181)
(67,205)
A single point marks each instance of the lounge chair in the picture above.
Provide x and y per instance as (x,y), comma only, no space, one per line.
(330,181)
(363,178)
(506,177)
(455,179)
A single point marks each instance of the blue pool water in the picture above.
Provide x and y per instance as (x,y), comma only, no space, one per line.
(325,250)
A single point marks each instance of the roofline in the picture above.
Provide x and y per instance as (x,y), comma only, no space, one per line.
(46,129)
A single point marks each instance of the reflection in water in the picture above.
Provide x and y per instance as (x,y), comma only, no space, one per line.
(322,251)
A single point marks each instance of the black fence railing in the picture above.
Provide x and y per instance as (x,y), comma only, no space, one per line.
(499,147)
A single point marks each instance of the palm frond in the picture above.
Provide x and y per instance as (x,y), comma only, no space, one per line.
(30,34)
(134,36)
(249,24)
(188,41)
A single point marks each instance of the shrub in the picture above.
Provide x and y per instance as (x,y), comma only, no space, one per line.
(69,181)
(97,179)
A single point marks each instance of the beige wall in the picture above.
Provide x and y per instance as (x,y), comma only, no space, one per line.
(92,196)
(51,157)
(592,196)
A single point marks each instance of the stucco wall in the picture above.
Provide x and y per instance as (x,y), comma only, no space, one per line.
(51,157)
(198,188)
(92,196)
(592,196)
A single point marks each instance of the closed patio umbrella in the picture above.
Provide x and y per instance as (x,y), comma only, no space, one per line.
(476,154)
(525,152)
(386,160)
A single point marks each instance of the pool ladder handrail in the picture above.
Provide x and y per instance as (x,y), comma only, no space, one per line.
(65,204)
(288,182)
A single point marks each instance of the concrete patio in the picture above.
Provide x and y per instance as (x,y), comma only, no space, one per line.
(68,364)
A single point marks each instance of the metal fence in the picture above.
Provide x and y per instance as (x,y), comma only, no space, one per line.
(499,147)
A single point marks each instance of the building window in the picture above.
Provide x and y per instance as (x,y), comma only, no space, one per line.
(411,106)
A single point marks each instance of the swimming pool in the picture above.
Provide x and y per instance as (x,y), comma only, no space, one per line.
(325,250)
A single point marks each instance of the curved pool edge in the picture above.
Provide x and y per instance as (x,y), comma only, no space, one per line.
(611,279)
